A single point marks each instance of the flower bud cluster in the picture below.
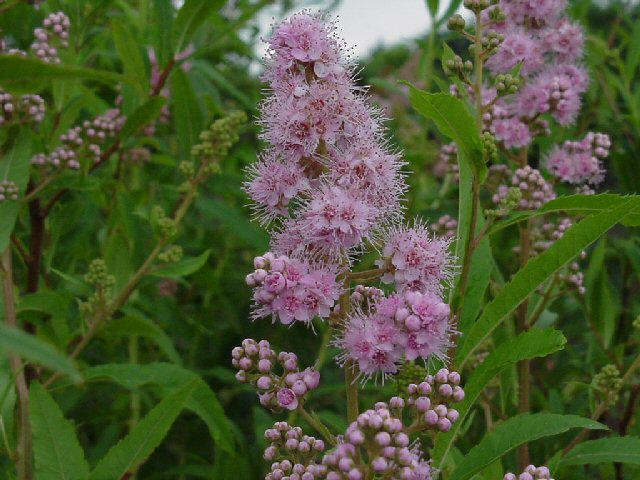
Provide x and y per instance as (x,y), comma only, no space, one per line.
(458,68)
(456,22)
(446,227)
(171,254)
(415,259)
(447,162)
(376,442)
(99,277)
(429,401)
(8,190)
(366,297)
(401,326)
(608,383)
(536,191)
(289,442)
(27,109)
(166,225)
(53,35)
(223,133)
(256,361)
(580,162)
(80,141)
(292,289)
(531,472)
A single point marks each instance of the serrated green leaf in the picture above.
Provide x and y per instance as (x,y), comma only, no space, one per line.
(575,205)
(453,119)
(516,431)
(37,351)
(527,345)
(57,452)
(143,115)
(184,267)
(203,401)
(16,70)
(130,452)
(14,166)
(129,52)
(604,450)
(539,269)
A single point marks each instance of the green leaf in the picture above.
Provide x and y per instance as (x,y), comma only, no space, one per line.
(203,401)
(433,5)
(603,304)
(130,452)
(604,450)
(192,14)
(35,350)
(133,323)
(16,70)
(129,52)
(187,114)
(527,345)
(539,269)
(516,431)
(452,117)
(184,267)
(143,115)
(575,205)
(14,166)
(58,455)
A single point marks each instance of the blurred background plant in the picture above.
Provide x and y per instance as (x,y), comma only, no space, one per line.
(201,57)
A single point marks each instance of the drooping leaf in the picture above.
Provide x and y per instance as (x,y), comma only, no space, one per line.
(57,452)
(516,431)
(203,401)
(604,450)
(184,267)
(527,345)
(539,269)
(14,166)
(37,351)
(130,452)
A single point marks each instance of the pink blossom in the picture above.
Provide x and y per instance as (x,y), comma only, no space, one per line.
(518,46)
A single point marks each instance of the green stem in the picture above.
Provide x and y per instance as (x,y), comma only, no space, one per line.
(524,367)
(320,427)
(543,302)
(22,389)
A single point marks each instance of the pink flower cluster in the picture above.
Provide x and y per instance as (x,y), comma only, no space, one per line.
(292,289)
(446,227)
(327,172)
(255,362)
(54,32)
(287,441)
(531,472)
(580,162)
(447,162)
(536,191)
(537,35)
(429,401)
(27,109)
(408,325)
(416,260)
(80,141)
(380,437)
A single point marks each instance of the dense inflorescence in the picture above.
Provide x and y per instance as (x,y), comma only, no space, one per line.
(52,36)
(531,472)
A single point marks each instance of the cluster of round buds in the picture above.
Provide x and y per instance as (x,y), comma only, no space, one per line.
(290,442)
(446,227)
(172,254)
(580,162)
(28,109)
(458,67)
(220,137)
(447,162)
(291,289)
(8,190)
(489,145)
(536,191)
(456,22)
(255,362)
(531,472)
(490,43)
(54,33)
(431,400)
(377,438)
(99,277)
(479,5)
(608,383)
(83,140)
(507,84)
(573,278)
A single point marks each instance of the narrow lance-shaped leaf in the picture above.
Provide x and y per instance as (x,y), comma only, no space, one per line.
(514,432)
(135,448)
(57,452)
(539,269)
(129,52)
(37,351)
(184,267)
(604,450)
(527,345)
